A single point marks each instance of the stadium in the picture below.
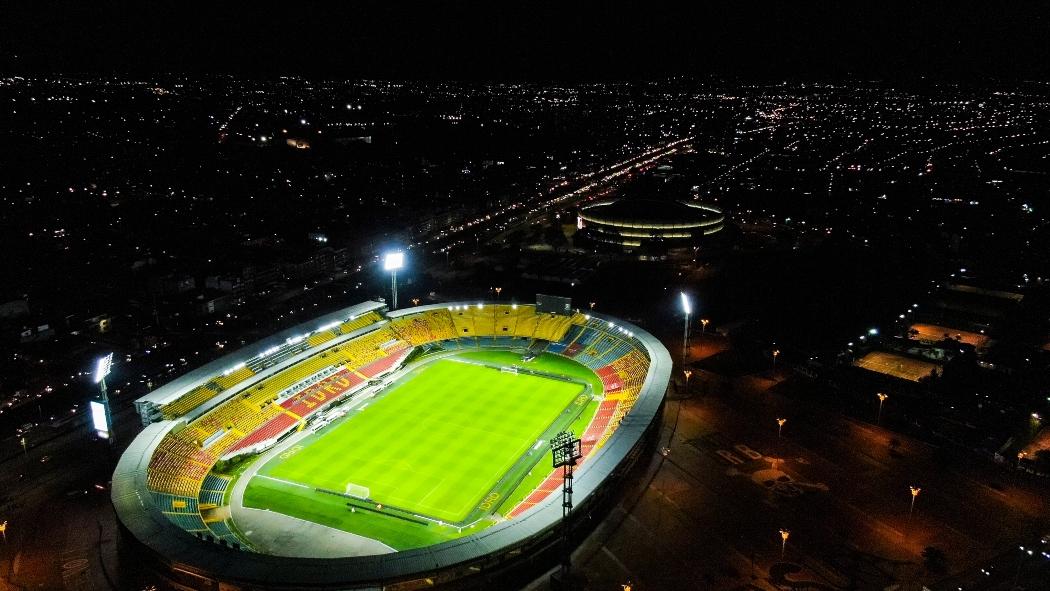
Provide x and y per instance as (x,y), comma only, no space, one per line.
(645,222)
(404,449)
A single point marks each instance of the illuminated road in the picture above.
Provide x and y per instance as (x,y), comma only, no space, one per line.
(520,212)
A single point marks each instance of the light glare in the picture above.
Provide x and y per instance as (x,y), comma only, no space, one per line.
(393,261)
(102,367)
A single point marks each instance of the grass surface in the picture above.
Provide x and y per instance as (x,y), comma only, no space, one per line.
(435,444)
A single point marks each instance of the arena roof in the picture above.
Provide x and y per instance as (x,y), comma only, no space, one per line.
(647,213)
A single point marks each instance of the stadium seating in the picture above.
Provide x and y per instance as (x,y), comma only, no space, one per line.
(190,400)
(221,530)
(191,522)
(526,322)
(301,406)
(384,364)
(358,323)
(508,317)
(567,339)
(419,329)
(463,320)
(552,327)
(320,338)
(179,472)
(233,378)
(212,490)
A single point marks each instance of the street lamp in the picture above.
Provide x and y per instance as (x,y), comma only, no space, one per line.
(498,290)
(703,333)
(882,398)
(392,262)
(687,308)
(776,353)
(783,541)
(593,304)
(688,374)
(3,530)
(415,301)
(914,493)
(780,426)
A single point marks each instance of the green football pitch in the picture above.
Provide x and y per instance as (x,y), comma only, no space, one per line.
(439,443)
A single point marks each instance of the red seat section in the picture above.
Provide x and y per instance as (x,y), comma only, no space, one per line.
(318,395)
(302,405)
(549,485)
(591,437)
(377,367)
(273,428)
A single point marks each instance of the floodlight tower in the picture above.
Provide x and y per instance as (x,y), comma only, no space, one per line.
(393,261)
(565,450)
(103,424)
(687,308)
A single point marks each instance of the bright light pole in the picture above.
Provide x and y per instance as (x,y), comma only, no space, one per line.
(687,308)
(780,426)
(498,290)
(101,415)
(776,353)
(914,493)
(882,398)
(3,530)
(688,374)
(783,541)
(24,450)
(392,262)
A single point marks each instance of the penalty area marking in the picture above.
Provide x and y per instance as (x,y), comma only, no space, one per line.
(284,481)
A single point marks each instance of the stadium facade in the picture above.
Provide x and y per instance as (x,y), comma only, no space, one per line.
(172,503)
(635,223)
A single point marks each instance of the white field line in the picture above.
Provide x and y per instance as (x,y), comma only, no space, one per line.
(284,481)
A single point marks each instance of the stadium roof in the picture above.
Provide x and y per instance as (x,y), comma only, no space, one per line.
(175,388)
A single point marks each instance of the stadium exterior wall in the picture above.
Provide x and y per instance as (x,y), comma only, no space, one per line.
(501,551)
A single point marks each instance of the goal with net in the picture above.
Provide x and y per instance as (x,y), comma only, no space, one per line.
(357,490)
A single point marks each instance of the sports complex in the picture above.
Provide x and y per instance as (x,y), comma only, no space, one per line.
(404,449)
(637,222)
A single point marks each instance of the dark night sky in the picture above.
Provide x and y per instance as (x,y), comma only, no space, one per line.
(534,40)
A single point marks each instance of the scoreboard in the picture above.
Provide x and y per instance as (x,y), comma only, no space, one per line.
(548,304)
